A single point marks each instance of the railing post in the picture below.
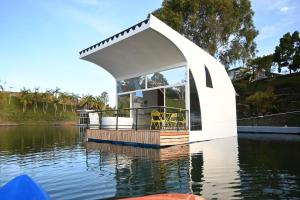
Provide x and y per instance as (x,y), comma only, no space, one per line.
(177,120)
(117,119)
(187,120)
(100,120)
(136,119)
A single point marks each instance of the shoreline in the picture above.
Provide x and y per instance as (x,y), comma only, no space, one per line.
(39,123)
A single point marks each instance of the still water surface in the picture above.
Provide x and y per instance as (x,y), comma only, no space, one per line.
(69,168)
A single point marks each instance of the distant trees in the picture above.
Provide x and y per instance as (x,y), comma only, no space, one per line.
(287,53)
(35,97)
(46,100)
(260,65)
(96,103)
(25,98)
(223,28)
(55,100)
(157,79)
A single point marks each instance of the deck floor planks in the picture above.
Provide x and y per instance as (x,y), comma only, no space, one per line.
(152,137)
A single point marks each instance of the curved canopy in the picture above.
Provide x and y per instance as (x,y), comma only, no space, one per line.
(136,52)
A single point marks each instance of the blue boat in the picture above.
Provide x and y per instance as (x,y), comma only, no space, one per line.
(23,188)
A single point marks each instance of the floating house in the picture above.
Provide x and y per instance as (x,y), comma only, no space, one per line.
(169,90)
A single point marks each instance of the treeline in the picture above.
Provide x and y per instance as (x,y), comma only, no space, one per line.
(56,98)
(286,55)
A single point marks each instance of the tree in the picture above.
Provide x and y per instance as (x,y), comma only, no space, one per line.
(46,98)
(104,97)
(98,103)
(25,98)
(36,98)
(261,64)
(87,101)
(287,53)
(223,28)
(74,99)
(157,79)
(63,99)
(54,99)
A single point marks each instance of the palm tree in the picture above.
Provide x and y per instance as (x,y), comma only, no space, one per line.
(46,99)
(86,101)
(63,100)
(74,99)
(55,100)
(25,98)
(36,97)
(98,103)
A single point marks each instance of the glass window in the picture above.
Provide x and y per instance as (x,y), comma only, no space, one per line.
(169,77)
(175,97)
(208,78)
(124,101)
(131,84)
(195,110)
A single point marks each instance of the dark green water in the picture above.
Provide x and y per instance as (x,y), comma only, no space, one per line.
(58,158)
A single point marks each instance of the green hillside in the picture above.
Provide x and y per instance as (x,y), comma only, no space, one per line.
(269,97)
(12,113)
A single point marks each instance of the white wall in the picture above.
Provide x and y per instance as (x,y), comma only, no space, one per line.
(218,107)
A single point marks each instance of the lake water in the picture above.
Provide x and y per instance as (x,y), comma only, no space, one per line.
(248,167)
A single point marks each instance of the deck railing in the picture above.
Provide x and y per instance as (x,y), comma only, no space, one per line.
(145,118)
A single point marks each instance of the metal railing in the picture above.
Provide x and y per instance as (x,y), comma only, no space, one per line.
(141,119)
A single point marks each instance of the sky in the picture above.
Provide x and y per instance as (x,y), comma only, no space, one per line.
(40,40)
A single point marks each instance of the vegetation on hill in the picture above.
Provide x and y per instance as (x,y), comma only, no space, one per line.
(51,106)
(270,96)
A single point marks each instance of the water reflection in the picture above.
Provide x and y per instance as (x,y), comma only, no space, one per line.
(70,168)
(220,169)
(272,167)
(197,168)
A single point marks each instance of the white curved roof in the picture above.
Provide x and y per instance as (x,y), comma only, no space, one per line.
(139,50)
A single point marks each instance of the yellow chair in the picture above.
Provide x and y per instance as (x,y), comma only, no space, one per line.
(171,120)
(155,119)
(182,121)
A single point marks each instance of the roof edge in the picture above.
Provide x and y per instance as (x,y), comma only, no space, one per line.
(121,35)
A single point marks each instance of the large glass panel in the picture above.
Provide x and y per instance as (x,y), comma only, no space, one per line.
(175,97)
(169,77)
(124,101)
(131,84)
(195,110)
(147,100)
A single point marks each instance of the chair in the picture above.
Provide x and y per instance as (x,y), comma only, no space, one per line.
(171,120)
(155,119)
(182,121)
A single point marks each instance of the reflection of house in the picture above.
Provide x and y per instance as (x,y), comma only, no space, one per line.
(210,169)
(155,66)
(238,73)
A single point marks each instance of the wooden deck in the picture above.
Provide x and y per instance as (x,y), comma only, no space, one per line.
(145,138)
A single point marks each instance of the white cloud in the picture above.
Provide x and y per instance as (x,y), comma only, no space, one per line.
(284,9)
